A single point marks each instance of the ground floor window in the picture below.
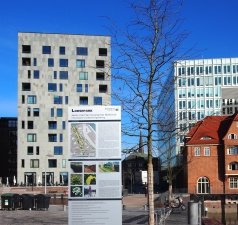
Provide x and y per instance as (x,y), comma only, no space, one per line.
(203,185)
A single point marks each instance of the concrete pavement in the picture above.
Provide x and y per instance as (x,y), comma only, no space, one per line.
(130,217)
(133,214)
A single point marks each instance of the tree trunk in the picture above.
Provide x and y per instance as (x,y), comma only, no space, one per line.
(150,179)
(170,194)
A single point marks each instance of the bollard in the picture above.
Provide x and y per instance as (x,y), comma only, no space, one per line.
(199,213)
(145,207)
(206,211)
(193,213)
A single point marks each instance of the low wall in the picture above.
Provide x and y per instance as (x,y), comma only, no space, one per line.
(215,207)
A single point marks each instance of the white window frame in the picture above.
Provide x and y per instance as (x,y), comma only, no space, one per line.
(207,151)
(232,136)
(203,185)
(233,182)
(233,165)
(197,151)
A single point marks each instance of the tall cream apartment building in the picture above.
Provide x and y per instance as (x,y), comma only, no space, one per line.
(55,71)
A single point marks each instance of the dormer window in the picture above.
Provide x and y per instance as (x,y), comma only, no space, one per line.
(206,138)
(232,136)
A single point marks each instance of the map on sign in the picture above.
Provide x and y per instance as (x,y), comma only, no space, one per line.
(83,140)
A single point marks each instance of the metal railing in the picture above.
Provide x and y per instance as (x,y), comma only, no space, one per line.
(141,216)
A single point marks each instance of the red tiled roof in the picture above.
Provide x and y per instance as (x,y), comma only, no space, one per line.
(209,127)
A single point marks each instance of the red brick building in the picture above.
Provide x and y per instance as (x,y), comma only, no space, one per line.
(211,150)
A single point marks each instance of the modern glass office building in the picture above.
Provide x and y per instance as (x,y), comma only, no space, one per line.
(55,71)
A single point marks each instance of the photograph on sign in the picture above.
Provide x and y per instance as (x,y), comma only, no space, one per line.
(98,179)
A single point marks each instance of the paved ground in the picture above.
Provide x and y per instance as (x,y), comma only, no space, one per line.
(130,217)
(133,214)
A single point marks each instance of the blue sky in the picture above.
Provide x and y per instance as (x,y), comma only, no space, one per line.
(212,25)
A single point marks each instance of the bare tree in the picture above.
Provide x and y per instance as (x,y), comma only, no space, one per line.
(145,51)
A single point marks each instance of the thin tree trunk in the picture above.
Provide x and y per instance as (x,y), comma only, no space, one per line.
(151,192)
(170,192)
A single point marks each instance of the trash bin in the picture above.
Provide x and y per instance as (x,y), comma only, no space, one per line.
(42,202)
(10,201)
(27,201)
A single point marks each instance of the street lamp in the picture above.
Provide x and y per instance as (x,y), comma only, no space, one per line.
(45,170)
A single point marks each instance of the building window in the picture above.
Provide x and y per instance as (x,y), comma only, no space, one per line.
(233,166)
(97,100)
(80,63)
(26,86)
(102,52)
(207,151)
(36,74)
(28,111)
(102,88)
(30,125)
(61,138)
(203,185)
(59,112)
(26,49)
(79,88)
(83,100)
(197,151)
(37,150)
(100,76)
(233,182)
(86,88)
(63,125)
(99,63)
(35,62)
(12,123)
(22,124)
(23,99)
(61,87)
(52,137)
(52,112)
(46,49)
(52,163)
(58,150)
(63,178)
(52,87)
(63,163)
(31,99)
(31,137)
(63,62)
(233,150)
(29,74)
(63,75)
(83,76)
(58,100)
(50,62)
(82,51)
(62,50)
(52,125)
(34,163)
(66,100)
(26,61)
(232,136)
(55,75)
(23,163)
(30,150)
